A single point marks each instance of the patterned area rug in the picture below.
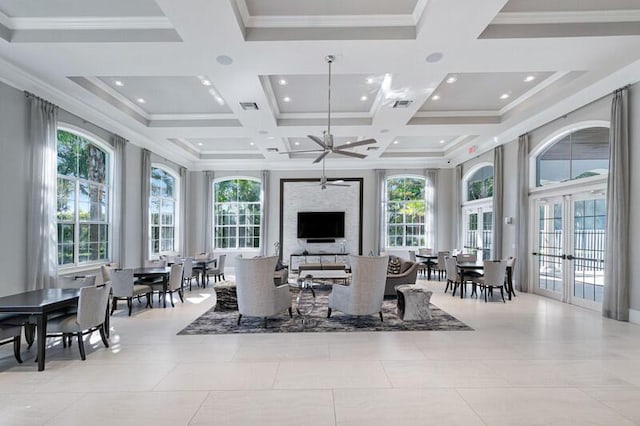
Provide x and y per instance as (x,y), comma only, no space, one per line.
(223,320)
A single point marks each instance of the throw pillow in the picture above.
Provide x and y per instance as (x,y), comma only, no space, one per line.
(394,265)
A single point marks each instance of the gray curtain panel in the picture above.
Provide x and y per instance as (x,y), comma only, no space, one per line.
(209,176)
(42,234)
(498,196)
(184,196)
(119,197)
(146,193)
(264,221)
(431,183)
(615,303)
(379,236)
(521,273)
(457,214)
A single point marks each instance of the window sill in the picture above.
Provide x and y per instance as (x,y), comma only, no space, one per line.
(71,270)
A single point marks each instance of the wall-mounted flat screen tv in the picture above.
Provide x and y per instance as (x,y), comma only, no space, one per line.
(320,224)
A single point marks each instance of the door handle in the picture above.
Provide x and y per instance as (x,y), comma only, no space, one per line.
(569,257)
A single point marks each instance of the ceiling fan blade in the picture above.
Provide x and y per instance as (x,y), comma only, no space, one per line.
(337,184)
(321,157)
(354,144)
(318,141)
(349,154)
(301,151)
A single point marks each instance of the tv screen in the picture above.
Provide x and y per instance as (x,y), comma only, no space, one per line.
(320,224)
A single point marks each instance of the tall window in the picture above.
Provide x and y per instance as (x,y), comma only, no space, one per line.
(83,200)
(580,154)
(478,212)
(405,215)
(236,212)
(162,212)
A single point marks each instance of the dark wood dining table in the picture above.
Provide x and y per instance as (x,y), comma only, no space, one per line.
(155,272)
(202,265)
(40,303)
(427,259)
(467,267)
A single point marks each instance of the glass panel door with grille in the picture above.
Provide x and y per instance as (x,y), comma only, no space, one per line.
(478,231)
(549,252)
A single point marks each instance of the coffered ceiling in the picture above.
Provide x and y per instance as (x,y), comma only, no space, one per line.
(239,84)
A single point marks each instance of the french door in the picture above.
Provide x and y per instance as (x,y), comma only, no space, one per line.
(478,232)
(569,248)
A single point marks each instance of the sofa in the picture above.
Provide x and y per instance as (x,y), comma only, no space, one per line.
(408,274)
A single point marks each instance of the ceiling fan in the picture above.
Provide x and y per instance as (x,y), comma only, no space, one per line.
(326,143)
(324,183)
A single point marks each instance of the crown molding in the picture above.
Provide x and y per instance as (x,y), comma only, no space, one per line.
(457,113)
(574,17)
(90,23)
(330,21)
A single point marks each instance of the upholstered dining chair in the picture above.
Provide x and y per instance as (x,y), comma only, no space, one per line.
(175,282)
(188,273)
(422,269)
(257,296)
(365,293)
(494,277)
(11,333)
(440,266)
(90,317)
(75,281)
(451,273)
(218,271)
(123,286)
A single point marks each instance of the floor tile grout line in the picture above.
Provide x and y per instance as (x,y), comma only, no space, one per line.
(204,400)
(457,390)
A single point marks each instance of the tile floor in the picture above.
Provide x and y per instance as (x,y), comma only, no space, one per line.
(532,361)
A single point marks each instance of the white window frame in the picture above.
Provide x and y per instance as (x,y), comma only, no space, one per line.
(386,214)
(108,149)
(176,212)
(479,206)
(237,225)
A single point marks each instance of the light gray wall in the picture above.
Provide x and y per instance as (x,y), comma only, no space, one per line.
(133,207)
(196,212)
(634,202)
(510,190)
(14,187)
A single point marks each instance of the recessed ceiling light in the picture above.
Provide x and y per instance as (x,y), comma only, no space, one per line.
(370,80)
(282,82)
(495,139)
(251,144)
(348,142)
(504,96)
(363,98)
(435,97)
(141,100)
(205,82)
(286,99)
(529,78)
(200,144)
(434,57)
(441,140)
(224,60)
(296,143)
(118,83)
(395,142)
(452,79)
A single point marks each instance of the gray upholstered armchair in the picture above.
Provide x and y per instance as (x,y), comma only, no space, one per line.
(257,296)
(408,274)
(365,293)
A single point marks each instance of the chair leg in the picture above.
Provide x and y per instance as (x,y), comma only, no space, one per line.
(64,340)
(290,312)
(171,298)
(329,313)
(103,336)
(486,292)
(81,347)
(149,304)
(114,305)
(16,349)
(129,304)
(239,318)
(381,319)
(29,334)
(181,296)
(502,294)
(264,322)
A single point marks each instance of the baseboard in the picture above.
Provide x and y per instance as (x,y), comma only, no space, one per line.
(634,316)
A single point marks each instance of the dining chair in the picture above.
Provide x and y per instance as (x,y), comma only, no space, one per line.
(11,333)
(75,281)
(218,271)
(440,266)
(188,273)
(494,277)
(123,286)
(175,282)
(467,257)
(422,269)
(451,274)
(90,317)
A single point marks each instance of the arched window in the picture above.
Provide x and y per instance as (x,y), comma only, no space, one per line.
(480,184)
(84,182)
(236,211)
(577,155)
(162,211)
(405,212)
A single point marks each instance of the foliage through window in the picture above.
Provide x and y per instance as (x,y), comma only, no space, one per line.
(406,212)
(578,155)
(480,184)
(236,212)
(162,212)
(83,200)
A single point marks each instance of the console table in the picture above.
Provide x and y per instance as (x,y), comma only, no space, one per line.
(295,260)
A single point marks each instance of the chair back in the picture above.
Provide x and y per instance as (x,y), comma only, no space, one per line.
(106,273)
(494,272)
(425,251)
(220,263)
(368,279)
(159,263)
(412,256)
(187,267)
(254,285)
(451,269)
(92,305)
(75,281)
(467,257)
(511,262)
(175,276)
(202,256)
(441,257)
(122,282)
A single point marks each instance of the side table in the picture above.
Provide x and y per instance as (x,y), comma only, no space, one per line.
(413,302)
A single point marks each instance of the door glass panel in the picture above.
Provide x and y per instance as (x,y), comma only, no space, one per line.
(550,247)
(487,235)
(472,232)
(588,248)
